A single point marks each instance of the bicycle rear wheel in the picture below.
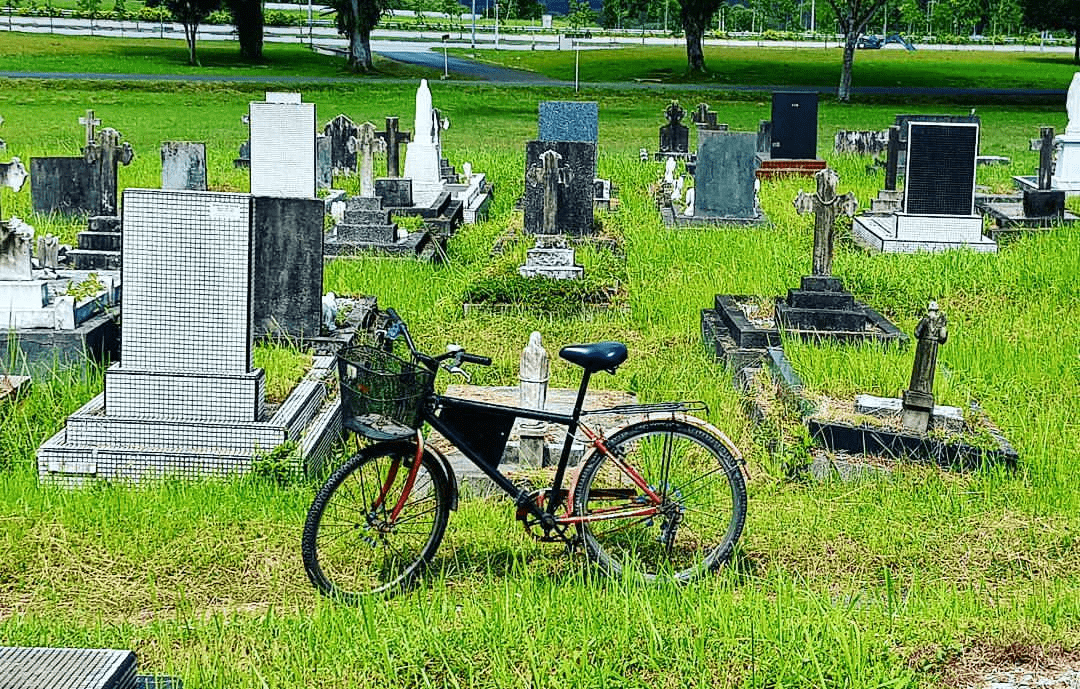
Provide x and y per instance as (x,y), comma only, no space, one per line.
(701,511)
(352,546)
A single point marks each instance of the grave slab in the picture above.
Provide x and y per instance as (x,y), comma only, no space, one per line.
(288,266)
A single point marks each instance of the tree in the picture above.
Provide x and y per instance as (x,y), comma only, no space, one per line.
(580,14)
(1055,14)
(248,20)
(355,20)
(191,13)
(852,17)
(696,16)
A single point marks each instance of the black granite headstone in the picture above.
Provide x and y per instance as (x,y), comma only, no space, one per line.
(574,214)
(674,136)
(940,177)
(64,185)
(288,266)
(794,125)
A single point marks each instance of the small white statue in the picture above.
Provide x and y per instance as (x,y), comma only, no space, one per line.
(1072,105)
(669,171)
(466,171)
(677,189)
(689,212)
(329,311)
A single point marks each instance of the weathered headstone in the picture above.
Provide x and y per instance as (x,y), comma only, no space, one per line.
(106,153)
(574,196)
(724,178)
(918,399)
(364,145)
(324,169)
(340,131)
(287,238)
(674,136)
(549,176)
(183,165)
(393,140)
(91,123)
(704,118)
(569,121)
(64,185)
(794,125)
(534,371)
(825,204)
(282,146)
(15,265)
(860,142)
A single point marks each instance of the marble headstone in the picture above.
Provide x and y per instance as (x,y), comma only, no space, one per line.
(183,165)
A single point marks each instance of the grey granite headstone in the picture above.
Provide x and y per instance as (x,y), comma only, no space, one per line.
(183,165)
(575,198)
(288,266)
(724,178)
(324,168)
(395,192)
(569,121)
(64,185)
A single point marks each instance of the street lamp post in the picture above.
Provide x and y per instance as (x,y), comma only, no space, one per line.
(496,24)
(474,24)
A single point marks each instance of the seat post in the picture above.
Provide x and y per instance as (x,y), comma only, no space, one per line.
(571,431)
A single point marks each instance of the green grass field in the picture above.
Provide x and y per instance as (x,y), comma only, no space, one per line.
(884,583)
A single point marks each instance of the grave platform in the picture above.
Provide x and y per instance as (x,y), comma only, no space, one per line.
(903,233)
(1023,182)
(443,216)
(1007,211)
(781,167)
(74,668)
(96,446)
(739,329)
(673,218)
(422,245)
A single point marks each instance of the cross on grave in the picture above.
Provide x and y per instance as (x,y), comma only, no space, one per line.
(365,145)
(12,175)
(703,117)
(826,205)
(107,152)
(550,175)
(90,122)
(392,138)
(674,137)
(1046,157)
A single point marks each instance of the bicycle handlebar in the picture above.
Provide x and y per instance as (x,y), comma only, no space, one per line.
(431,362)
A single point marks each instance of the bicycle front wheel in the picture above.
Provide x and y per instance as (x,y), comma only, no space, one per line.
(353,545)
(700,502)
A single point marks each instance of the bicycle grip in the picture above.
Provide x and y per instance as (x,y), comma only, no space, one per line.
(476,359)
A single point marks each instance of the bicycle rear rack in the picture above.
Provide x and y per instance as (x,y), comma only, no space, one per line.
(689,407)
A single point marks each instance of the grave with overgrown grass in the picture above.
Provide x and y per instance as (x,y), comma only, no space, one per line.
(894,581)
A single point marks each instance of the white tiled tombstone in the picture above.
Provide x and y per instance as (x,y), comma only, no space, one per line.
(283,156)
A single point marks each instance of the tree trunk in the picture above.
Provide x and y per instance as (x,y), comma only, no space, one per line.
(190,30)
(1076,48)
(360,51)
(843,94)
(695,57)
(248,16)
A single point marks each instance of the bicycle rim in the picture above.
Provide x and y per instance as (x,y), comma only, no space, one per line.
(352,547)
(699,518)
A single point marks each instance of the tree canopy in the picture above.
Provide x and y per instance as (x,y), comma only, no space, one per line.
(1055,14)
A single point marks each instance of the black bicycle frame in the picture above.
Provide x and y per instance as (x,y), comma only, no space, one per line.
(447,413)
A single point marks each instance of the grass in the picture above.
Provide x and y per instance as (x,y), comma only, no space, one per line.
(878,584)
(797,66)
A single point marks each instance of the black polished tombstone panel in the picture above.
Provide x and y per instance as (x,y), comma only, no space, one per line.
(940,177)
(794,125)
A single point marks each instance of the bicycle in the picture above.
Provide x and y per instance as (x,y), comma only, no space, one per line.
(661,496)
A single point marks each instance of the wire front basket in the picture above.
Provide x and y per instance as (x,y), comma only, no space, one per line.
(380,392)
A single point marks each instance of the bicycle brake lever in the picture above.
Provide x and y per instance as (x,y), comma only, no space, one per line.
(461,372)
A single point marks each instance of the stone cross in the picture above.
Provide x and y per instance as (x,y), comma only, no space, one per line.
(107,152)
(365,145)
(918,400)
(825,205)
(12,175)
(90,122)
(1046,157)
(674,113)
(534,372)
(549,174)
(393,138)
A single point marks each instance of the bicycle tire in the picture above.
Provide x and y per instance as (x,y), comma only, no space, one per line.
(701,473)
(350,549)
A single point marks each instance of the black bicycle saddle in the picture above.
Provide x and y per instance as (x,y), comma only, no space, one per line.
(600,356)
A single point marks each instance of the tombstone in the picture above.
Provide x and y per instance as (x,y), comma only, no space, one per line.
(939,195)
(183,165)
(48,254)
(186,400)
(704,118)
(91,123)
(423,154)
(551,258)
(366,226)
(724,178)
(918,399)
(364,145)
(902,121)
(860,142)
(340,131)
(324,169)
(1045,202)
(104,155)
(674,136)
(287,239)
(1039,204)
(282,146)
(794,125)
(569,121)
(534,372)
(393,140)
(573,195)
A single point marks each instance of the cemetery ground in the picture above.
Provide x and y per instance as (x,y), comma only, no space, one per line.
(913,579)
